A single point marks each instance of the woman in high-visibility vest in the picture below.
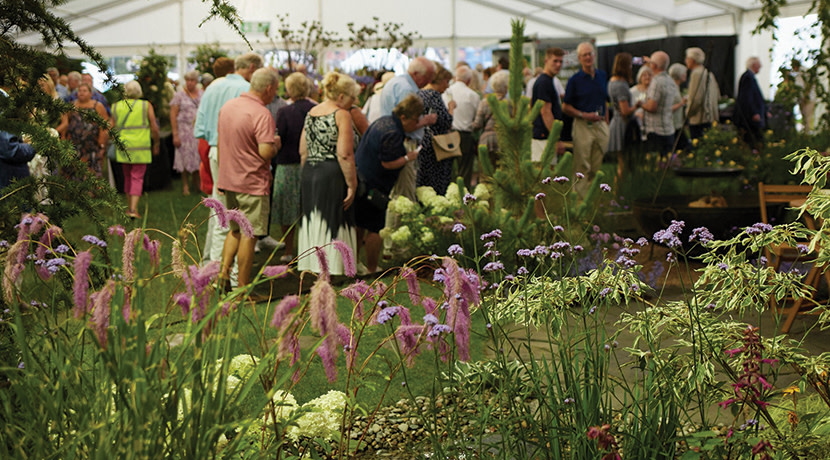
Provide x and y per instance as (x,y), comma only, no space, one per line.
(139,132)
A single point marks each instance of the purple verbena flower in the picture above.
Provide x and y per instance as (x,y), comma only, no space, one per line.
(524,252)
(605,187)
(458,227)
(546,180)
(430,319)
(439,329)
(540,196)
(386,314)
(493,266)
(469,198)
(579,175)
(455,250)
(561,179)
(495,234)
(702,235)
(522,271)
(92,239)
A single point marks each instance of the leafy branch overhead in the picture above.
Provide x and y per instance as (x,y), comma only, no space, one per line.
(388,36)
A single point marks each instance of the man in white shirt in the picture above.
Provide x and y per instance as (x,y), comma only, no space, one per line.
(463,112)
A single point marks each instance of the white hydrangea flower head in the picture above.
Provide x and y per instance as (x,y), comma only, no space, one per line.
(402,205)
(481,192)
(401,235)
(425,193)
(242,366)
(453,194)
(324,418)
(285,404)
(426,236)
(385,232)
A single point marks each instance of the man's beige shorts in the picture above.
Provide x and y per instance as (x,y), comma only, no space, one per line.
(255,208)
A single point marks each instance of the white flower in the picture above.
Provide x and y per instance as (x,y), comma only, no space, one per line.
(424,194)
(481,192)
(285,404)
(453,195)
(242,366)
(402,205)
(401,235)
(385,232)
(426,236)
(323,418)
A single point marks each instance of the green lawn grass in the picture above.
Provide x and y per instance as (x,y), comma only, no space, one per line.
(164,212)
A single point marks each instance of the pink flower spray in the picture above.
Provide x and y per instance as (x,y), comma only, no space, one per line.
(81,287)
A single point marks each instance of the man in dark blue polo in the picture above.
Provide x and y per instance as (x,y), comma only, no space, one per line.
(585,101)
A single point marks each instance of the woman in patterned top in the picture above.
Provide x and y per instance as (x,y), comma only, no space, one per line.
(431,172)
(329,178)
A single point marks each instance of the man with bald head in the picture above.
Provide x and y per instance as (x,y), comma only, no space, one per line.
(662,91)
(750,108)
(585,101)
(418,74)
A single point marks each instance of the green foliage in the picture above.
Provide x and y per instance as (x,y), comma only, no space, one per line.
(205,55)
(303,43)
(152,75)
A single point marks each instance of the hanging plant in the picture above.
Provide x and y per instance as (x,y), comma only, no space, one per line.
(152,75)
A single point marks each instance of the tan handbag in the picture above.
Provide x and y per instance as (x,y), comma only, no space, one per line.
(446,146)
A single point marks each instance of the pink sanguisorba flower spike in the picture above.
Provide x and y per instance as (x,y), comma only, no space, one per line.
(408,338)
(100,319)
(429,305)
(152,247)
(128,256)
(30,224)
(81,287)
(347,254)
(282,310)
(242,220)
(358,292)
(127,309)
(323,307)
(46,241)
(329,362)
(323,261)
(177,259)
(347,341)
(219,209)
(15,264)
(412,285)
(117,230)
(275,271)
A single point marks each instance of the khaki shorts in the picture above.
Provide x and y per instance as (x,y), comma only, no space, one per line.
(255,208)
(537,149)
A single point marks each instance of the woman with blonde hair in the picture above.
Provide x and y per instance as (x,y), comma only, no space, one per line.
(139,133)
(329,177)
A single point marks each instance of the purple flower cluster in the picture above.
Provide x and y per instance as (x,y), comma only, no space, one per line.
(540,196)
(458,227)
(92,239)
(455,250)
(493,266)
(605,187)
(671,235)
(701,235)
(386,314)
(561,179)
(495,234)
(469,198)
(758,228)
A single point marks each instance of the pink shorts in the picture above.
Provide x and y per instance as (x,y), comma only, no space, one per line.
(133,178)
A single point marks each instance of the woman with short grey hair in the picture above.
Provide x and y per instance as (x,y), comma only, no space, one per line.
(183,108)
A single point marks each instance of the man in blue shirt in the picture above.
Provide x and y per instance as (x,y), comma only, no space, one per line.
(206,127)
(585,101)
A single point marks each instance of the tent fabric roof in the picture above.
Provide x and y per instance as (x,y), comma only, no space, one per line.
(111,23)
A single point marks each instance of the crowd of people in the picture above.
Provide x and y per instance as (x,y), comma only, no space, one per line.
(323,169)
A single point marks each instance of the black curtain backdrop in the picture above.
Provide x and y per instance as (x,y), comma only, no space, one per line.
(720,55)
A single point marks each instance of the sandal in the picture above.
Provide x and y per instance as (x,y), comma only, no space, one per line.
(133,215)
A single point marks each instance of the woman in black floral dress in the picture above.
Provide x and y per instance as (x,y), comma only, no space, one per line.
(431,172)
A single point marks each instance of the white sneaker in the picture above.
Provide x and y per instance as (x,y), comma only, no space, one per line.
(268,244)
